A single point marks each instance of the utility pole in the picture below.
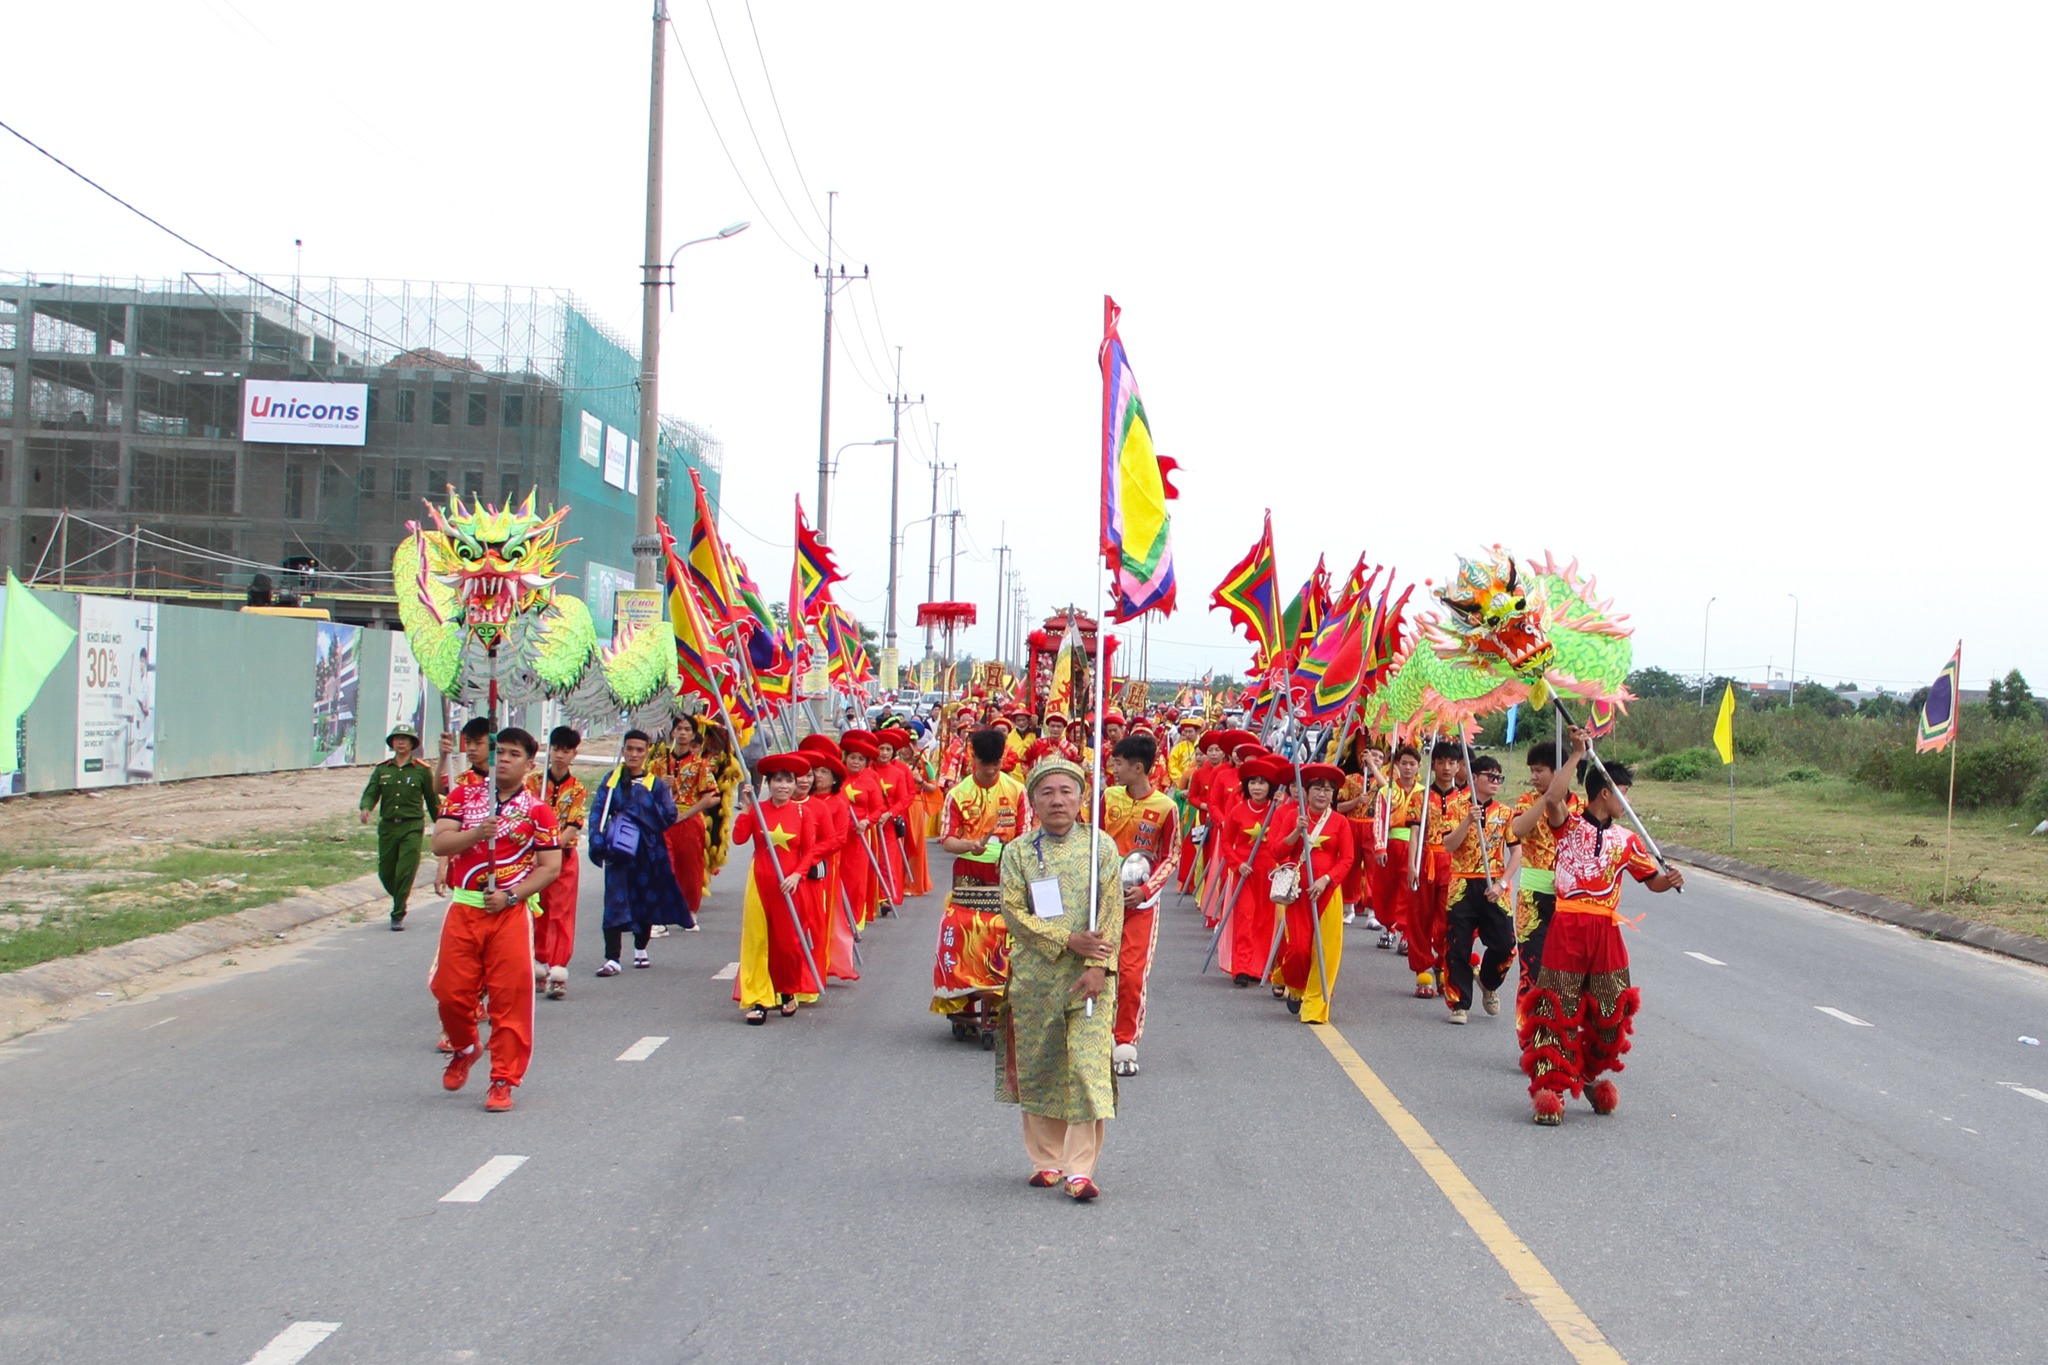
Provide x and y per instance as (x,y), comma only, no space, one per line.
(1002,585)
(931,573)
(897,402)
(953,555)
(646,543)
(832,286)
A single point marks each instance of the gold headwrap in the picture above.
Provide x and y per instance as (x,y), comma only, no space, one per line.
(1048,767)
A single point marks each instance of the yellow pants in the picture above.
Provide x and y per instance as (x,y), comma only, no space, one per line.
(1315,1006)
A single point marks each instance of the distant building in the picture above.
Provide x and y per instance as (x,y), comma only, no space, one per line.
(142,440)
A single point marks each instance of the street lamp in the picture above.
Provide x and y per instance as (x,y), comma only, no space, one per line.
(1703,650)
(832,472)
(1795,647)
(646,505)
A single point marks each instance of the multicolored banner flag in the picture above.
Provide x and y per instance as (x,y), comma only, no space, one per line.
(1304,617)
(700,657)
(1939,713)
(1137,483)
(815,570)
(1068,691)
(711,566)
(1250,595)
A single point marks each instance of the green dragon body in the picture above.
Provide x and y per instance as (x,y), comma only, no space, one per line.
(1511,633)
(476,594)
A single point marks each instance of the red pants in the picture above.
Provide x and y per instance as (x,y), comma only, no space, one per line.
(1580,1017)
(1133,966)
(554,933)
(491,955)
(685,839)
(1251,926)
(1422,910)
(1387,881)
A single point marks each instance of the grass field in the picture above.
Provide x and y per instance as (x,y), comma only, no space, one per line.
(59,903)
(1835,830)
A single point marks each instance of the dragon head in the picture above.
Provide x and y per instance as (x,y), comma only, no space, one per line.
(497,562)
(1495,620)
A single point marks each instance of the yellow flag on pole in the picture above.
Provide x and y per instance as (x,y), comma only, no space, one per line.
(1724,727)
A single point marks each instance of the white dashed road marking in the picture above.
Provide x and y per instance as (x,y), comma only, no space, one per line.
(641,1050)
(159,1023)
(2028,1091)
(1710,961)
(1845,1018)
(727,972)
(290,1346)
(487,1178)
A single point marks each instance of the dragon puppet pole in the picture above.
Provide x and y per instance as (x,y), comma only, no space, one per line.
(1422,829)
(1622,796)
(491,710)
(1479,825)
(732,733)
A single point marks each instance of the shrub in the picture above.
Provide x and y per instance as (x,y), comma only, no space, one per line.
(2001,771)
(1804,775)
(1687,765)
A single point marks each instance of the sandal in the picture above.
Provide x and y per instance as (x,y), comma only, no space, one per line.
(788,1008)
(756,1015)
(1043,1180)
(1279,992)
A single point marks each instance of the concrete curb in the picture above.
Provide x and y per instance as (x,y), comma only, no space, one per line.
(1933,923)
(35,991)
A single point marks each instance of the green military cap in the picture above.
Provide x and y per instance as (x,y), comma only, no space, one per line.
(404,732)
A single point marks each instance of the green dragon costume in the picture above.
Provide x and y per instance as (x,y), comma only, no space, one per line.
(476,593)
(1512,634)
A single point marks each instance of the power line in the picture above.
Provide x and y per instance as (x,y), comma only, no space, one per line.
(809,197)
(745,188)
(741,99)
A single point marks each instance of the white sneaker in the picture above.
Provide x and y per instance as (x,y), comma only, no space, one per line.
(1372,922)
(658,931)
(558,983)
(1490,1001)
(1123,1059)
(693,929)
(1459,1016)
(1349,914)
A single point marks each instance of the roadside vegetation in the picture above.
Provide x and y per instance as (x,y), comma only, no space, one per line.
(1834,790)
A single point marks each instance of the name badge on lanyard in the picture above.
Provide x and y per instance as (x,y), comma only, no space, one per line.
(1045,899)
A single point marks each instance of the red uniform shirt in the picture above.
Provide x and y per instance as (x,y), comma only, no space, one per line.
(782,828)
(1591,861)
(526,828)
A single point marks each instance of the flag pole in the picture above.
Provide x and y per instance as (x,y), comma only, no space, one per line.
(1663,864)
(803,938)
(1731,807)
(1095,761)
(1955,742)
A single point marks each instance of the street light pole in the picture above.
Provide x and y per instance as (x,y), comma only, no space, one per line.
(1795,646)
(831,471)
(1703,649)
(647,544)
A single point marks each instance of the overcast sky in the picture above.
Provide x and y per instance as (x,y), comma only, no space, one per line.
(1731,301)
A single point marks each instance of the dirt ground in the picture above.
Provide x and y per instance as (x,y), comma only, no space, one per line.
(203,811)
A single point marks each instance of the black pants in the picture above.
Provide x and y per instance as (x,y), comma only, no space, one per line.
(1473,914)
(614,939)
(1532,946)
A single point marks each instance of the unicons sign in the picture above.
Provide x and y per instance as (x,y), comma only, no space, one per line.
(305,414)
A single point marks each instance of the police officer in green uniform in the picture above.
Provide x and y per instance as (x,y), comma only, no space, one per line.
(403,786)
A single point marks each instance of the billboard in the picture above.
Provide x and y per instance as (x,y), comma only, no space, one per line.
(116,691)
(591,449)
(337,684)
(617,456)
(305,414)
(406,702)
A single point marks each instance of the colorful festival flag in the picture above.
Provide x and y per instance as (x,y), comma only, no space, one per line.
(1938,713)
(1137,483)
(815,570)
(1305,616)
(1069,687)
(700,658)
(1251,597)
(711,566)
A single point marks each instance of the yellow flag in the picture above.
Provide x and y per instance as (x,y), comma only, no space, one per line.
(1724,728)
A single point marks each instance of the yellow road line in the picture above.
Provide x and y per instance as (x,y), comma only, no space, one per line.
(1564,1317)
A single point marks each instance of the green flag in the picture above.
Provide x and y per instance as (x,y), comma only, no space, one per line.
(33,640)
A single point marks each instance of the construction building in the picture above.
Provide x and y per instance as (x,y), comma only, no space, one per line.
(138,450)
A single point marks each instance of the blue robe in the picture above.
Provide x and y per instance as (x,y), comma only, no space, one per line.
(639,890)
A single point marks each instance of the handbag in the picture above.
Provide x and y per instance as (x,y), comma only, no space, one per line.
(621,830)
(1285,884)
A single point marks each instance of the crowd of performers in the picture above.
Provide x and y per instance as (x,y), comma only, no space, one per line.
(1280,856)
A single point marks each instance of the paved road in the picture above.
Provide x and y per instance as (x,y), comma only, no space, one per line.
(188,1176)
